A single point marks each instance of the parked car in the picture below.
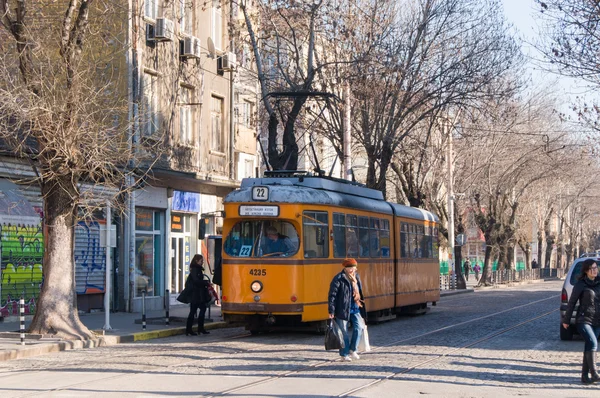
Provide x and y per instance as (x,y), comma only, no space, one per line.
(570,280)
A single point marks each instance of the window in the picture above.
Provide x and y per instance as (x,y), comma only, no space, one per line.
(434,243)
(374,237)
(384,238)
(363,236)
(151,8)
(217,124)
(148,252)
(339,235)
(185,24)
(351,235)
(414,241)
(262,239)
(404,241)
(244,116)
(150,104)
(185,115)
(315,234)
(217,24)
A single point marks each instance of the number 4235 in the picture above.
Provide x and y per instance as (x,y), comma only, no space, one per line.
(258,272)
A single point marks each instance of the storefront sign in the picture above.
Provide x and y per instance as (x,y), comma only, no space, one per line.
(143,219)
(176,223)
(269,211)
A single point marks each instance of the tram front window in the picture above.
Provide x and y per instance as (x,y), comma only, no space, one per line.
(262,239)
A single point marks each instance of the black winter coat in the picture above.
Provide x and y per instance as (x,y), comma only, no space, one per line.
(587,292)
(340,296)
(196,286)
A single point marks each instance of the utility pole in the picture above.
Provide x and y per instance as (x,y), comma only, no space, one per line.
(346,144)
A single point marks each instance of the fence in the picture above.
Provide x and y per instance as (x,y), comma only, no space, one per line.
(448,282)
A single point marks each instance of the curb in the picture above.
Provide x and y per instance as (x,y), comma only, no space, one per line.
(102,341)
(455,292)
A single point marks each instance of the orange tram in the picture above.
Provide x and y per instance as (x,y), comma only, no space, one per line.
(286,235)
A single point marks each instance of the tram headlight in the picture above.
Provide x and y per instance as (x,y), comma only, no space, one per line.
(256,286)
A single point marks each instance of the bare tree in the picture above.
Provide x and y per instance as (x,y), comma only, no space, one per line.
(63,109)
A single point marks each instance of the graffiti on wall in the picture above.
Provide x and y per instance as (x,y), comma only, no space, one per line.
(90,259)
(21,254)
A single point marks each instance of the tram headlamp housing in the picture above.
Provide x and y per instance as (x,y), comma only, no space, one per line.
(256,286)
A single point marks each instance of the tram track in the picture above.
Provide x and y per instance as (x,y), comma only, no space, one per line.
(438,357)
(327,362)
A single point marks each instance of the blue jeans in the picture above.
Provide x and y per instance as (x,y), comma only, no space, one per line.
(357,328)
(590,335)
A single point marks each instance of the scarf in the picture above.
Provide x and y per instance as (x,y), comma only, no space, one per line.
(355,291)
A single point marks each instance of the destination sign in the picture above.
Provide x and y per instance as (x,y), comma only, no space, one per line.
(269,211)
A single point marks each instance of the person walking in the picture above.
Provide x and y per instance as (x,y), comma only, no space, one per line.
(467,268)
(345,305)
(476,269)
(196,284)
(587,292)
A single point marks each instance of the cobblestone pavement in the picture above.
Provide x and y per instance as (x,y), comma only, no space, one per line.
(497,342)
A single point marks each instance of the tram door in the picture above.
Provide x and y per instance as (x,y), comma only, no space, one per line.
(180,255)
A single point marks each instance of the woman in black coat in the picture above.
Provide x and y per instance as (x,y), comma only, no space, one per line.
(587,292)
(197,294)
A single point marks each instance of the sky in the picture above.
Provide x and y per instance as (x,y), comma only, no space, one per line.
(523,15)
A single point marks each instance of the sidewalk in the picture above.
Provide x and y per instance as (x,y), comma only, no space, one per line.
(126,328)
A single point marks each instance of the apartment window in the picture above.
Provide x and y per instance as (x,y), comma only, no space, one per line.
(186,16)
(185,115)
(217,123)
(150,104)
(217,24)
(245,110)
(151,8)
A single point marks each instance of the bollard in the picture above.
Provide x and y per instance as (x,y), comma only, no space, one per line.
(167,303)
(143,310)
(22,320)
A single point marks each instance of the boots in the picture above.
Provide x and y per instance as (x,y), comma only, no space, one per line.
(590,358)
(585,370)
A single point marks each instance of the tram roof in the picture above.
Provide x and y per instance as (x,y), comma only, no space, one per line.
(326,191)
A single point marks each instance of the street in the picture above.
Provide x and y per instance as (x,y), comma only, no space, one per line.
(496,342)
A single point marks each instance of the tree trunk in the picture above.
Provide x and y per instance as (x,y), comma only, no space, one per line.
(56,311)
(486,272)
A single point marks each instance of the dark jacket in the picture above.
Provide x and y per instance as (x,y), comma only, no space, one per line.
(587,292)
(196,285)
(340,296)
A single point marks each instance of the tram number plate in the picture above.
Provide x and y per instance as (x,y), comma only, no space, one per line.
(260,193)
(245,251)
(258,272)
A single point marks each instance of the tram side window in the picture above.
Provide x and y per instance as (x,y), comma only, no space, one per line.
(404,241)
(363,236)
(384,238)
(351,235)
(374,237)
(421,238)
(434,243)
(414,241)
(339,235)
(315,234)
(426,242)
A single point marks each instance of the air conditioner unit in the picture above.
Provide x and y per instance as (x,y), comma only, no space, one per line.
(226,62)
(164,29)
(190,47)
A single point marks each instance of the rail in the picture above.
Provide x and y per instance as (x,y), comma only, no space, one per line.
(505,276)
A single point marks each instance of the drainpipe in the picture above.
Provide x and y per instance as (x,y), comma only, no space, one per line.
(231,98)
